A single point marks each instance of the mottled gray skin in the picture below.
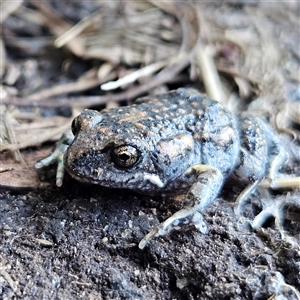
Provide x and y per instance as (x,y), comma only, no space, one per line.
(170,143)
(172,132)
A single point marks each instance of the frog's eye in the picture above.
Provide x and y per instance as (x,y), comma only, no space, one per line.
(75,126)
(125,156)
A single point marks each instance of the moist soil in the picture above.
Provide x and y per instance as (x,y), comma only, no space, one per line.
(81,241)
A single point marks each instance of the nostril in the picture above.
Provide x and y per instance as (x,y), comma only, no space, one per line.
(76,125)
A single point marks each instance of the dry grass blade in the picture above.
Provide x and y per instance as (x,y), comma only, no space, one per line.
(8,7)
(132,77)
(210,75)
(31,15)
(58,25)
(2,57)
(282,183)
(8,278)
(10,136)
(44,243)
(77,29)
(38,140)
(86,82)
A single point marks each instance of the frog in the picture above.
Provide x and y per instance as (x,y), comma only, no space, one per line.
(179,142)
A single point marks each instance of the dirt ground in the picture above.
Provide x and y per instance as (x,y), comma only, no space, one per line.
(81,241)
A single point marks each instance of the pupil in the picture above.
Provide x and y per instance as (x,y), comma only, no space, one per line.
(124,157)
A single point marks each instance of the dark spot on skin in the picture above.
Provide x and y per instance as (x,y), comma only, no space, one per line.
(252,178)
(167,160)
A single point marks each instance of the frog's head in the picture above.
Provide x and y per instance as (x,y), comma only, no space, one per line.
(119,153)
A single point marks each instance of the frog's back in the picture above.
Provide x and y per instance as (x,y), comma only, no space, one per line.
(213,127)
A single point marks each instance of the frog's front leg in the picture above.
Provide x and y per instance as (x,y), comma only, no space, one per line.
(57,156)
(207,184)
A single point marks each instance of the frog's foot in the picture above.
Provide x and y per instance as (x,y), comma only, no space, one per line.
(57,157)
(180,218)
(271,208)
(274,208)
(250,189)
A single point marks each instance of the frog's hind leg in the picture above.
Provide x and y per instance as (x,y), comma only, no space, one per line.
(207,184)
(273,207)
(277,153)
(262,154)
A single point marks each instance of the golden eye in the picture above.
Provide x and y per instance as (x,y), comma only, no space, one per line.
(125,156)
